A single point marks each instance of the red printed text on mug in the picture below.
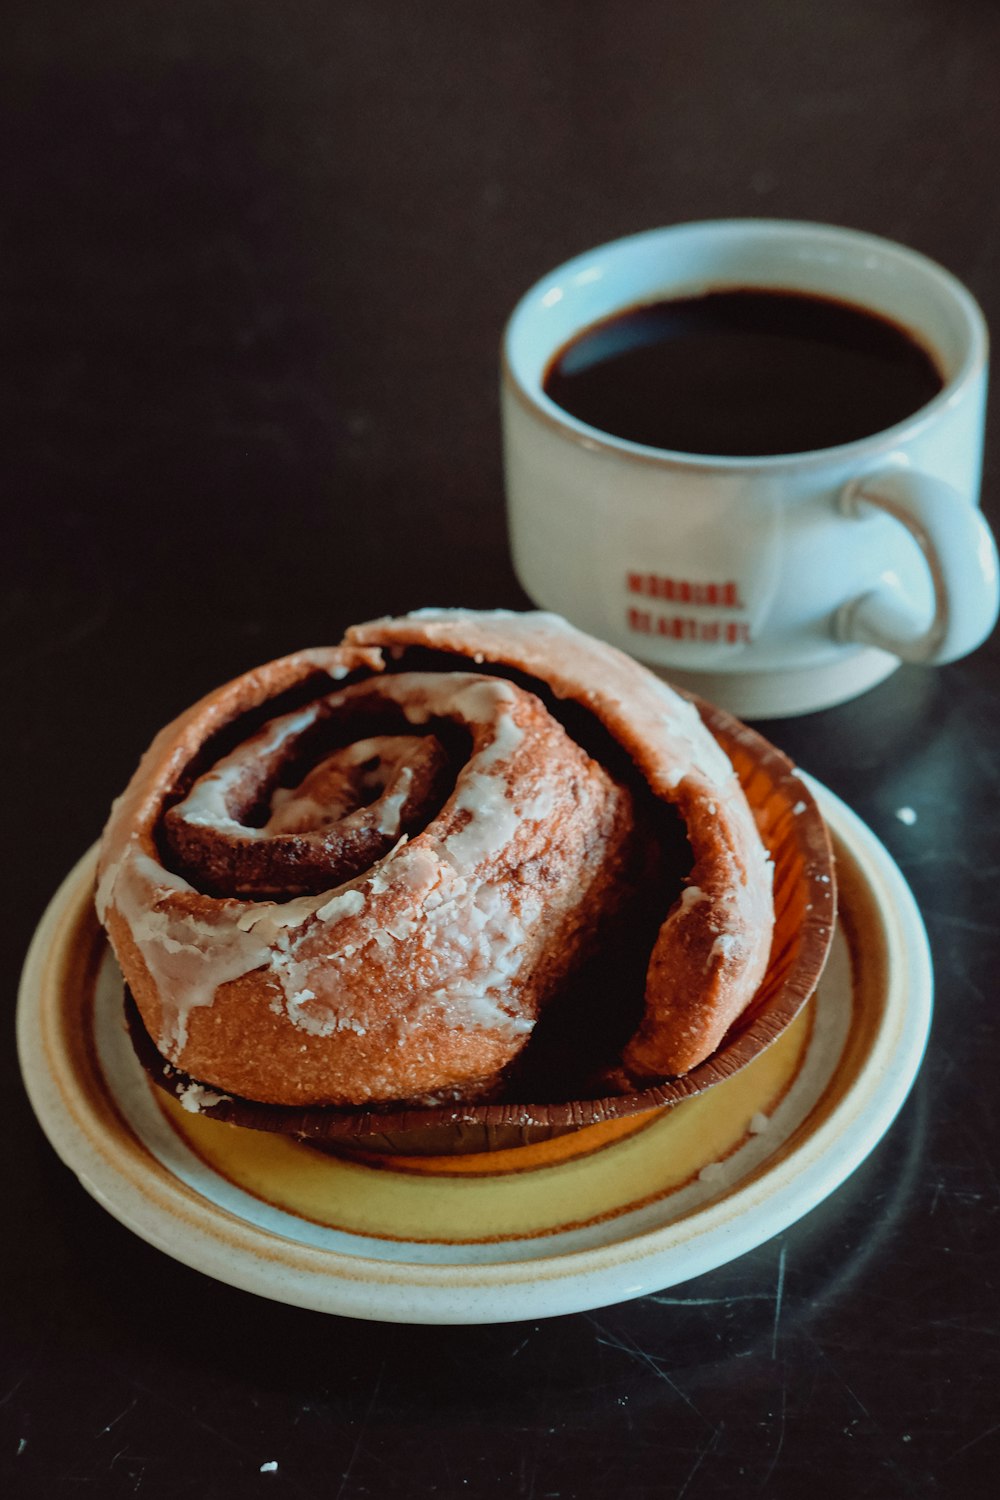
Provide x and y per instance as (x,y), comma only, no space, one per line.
(687,628)
(684,590)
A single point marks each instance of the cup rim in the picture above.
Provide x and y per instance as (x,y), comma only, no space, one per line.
(875,444)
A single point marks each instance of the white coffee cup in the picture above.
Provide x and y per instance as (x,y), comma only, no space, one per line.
(772,585)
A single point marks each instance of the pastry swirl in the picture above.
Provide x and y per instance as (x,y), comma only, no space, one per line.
(358,875)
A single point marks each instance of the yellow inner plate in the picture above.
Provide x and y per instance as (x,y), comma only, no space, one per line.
(593,1174)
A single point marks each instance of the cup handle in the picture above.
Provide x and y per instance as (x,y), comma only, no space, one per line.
(961,555)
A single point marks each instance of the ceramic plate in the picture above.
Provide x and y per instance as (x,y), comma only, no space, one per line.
(611,1212)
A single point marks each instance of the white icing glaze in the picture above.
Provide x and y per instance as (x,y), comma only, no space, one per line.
(188,956)
(272,916)
(294,813)
(320,656)
(323,1023)
(329,791)
(449,695)
(435,615)
(206,804)
(194,1097)
(704,755)
(724,946)
(492,823)
(104,894)
(392,803)
(539,807)
(346,904)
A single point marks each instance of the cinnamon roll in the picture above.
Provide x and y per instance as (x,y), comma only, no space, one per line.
(359,875)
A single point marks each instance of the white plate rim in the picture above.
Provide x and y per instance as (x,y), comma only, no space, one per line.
(207,1238)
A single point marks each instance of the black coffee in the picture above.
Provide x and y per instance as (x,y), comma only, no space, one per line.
(743,372)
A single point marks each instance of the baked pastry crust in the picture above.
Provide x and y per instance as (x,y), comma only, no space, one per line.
(713,948)
(419,976)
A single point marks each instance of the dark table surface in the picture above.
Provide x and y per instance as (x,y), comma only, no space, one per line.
(256,260)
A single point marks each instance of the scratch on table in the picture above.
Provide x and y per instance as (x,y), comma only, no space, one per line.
(124,1413)
(134,1458)
(528,1480)
(362,1428)
(982,1436)
(628,1346)
(714,1301)
(829,1362)
(779,1297)
(975,1141)
(248,1450)
(781,1440)
(959,1324)
(52,1321)
(14,1389)
(707,1447)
